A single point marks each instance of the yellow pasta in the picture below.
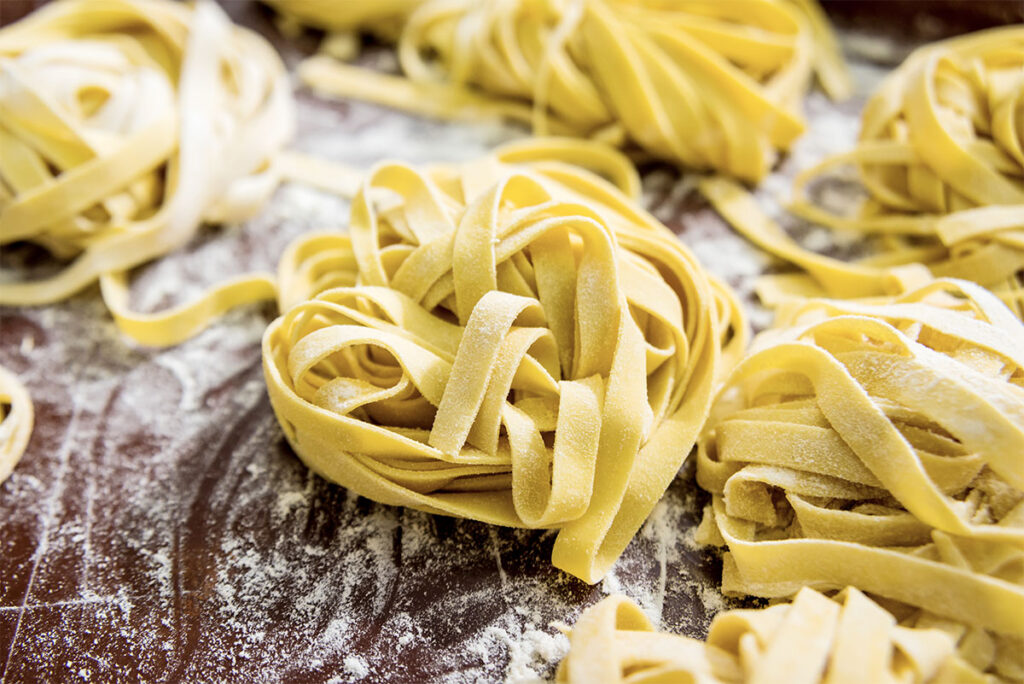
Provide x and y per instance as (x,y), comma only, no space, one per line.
(708,84)
(16,416)
(881,447)
(343,17)
(941,160)
(124,124)
(509,340)
(846,639)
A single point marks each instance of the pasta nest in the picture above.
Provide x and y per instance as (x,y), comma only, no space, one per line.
(881,447)
(124,124)
(845,639)
(16,418)
(941,160)
(708,84)
(508,340)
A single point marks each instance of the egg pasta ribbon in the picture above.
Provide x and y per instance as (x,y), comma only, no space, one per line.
(124,125)
(815,639)
(16,418)
(941,163)
(509,340)
(881,447)
(707,84)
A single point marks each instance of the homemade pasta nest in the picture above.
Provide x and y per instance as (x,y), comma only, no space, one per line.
(880,447)
(708,84)
(123,126)
(941,161)
(845,639)
(510,341)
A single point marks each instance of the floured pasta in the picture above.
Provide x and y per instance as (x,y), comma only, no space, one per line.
(845,639)
(16,416)
(509,340)
(708,84)
(124,124)
(941,160)
(881,447)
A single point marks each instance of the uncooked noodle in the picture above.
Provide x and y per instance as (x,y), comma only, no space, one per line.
(16,416)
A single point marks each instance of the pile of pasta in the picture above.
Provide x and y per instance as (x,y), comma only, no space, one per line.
(707,84)
(880,447)
(941,161)
(509,340)
(846,639)
(124,125)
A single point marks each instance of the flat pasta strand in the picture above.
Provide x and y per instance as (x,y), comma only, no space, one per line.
(16,417)
(881,447)
(707,84)
(941,163)
(125,124)
(845,639)
(509,340)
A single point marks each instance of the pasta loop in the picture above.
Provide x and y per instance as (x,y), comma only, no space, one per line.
(881,447)
(16,418)
(508,340)
(845,639)
(124,125)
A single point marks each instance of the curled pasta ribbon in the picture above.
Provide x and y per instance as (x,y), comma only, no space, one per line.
(845,639)
(941,161)
(16,417)
(509,340)
(881,447)
(343,20)
(124,125)
(712,85)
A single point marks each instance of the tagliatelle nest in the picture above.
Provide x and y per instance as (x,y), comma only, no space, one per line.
(880,447)
(123,126)
(509,340)
(941,163)
(848,639)
(708,84)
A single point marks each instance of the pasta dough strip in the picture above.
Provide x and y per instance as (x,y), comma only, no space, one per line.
(16,418)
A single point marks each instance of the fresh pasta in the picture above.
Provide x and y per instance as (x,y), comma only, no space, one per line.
(941,161)
(124,125)
(880,447)
(343,18)
(707,84)
(509,340)
(16,417)
(845,639)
